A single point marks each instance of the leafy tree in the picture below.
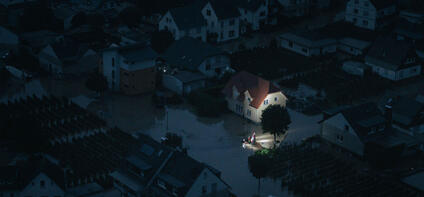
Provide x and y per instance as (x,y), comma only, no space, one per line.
(96,82)
(97,20)
(37,18)
(24,59)
(130,16)
(259,165)
(275,120)
(161,40)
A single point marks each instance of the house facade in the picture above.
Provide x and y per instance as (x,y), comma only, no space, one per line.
(248,95)
(130,69)
(393,59)
(254,15)
(369,14)
(308,43)
(50,62)
(196,56)
(183,82)
(223,20)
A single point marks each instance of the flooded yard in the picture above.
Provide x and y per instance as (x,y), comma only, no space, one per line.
(215,141)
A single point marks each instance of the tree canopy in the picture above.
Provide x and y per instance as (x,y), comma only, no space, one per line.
(275,120)
(259,166)
(36,18)
(161,40)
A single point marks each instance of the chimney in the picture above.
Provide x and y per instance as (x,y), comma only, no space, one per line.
(388,111)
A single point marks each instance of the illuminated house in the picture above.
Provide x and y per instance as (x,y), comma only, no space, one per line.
(248,95)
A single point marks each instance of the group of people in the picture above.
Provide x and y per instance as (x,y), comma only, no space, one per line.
(250,140)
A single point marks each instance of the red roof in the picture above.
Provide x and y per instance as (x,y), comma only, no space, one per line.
(257,87)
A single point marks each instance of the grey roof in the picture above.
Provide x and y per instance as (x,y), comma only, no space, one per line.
(135,52)
(308,38)
(409,30)
(391,137)
(389,53)
(171,180)
(187,76)
(189,53)
(188,17)
(359,44)
(138,162)
(415,180)
(406,110)
(363,117)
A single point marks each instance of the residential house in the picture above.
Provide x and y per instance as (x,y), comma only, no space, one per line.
(408,115)
(297,8)
(369,14)
(419,49)
(49,61)
(355,68)
(393,59)
(39,39)
(183,82)
(65,14)
(405,30)
(196,56)
(130,69)
(185,21)
(223,20)
(412,16)
(353,46)
(248,95)
(415,180)
(157,170)
(311,43)
(354,128)
(32,178)
(254,14)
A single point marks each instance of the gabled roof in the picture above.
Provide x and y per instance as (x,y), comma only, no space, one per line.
(189,16)
(389,53)
(405,110)
(380,4)
(189,53)
(135,52)
(309,38)
(410,30)
(362,117)
(257,87)
(49,54)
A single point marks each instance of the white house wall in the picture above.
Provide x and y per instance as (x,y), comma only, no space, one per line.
(206,180)
(364,13)
(277,98)
(226,28)
(34,189)
(108,68)
(167,23)
(172,83)
(211,20)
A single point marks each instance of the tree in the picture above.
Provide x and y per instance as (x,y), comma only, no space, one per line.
(275,120)
(96,82)
(79,19)
(161,40)
(259,165)
(130,16)
(4,77)
(38,18)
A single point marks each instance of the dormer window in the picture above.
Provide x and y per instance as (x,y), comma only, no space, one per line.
(266,102)
(208,12)
(346,127)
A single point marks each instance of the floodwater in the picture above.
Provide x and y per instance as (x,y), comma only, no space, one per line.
(215,141)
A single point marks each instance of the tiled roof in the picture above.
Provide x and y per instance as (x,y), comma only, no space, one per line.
(257,87)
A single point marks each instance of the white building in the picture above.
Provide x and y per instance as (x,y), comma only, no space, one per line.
(223,20)
(369,14)
(355,68)
(254,14)
(393,59)
(248,95)
(7,37)
(308,43)
(130,69)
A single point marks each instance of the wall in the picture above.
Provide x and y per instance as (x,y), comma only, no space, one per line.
(257,113)
(35,189)
(216,62)
(212,19)
(360,16)
(113,82)
(396,75)
(307,51)
(226,28)
(137,81)
(335,126)
(207,179)
(167,23)
(55,69)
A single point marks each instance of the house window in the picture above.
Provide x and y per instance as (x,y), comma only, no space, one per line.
(346,128)
(366,13)
(42,184)
(113,74)
(340,138)
(355,11)
(248,113)
(204,189)
(232,21)
(208,12)
(262,13)
(113,61)
(305,50)
(290,44)
(208,67)
(231,34)
(275,99)
(266,102)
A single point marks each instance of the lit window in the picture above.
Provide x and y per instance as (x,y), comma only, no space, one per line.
(266,102)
